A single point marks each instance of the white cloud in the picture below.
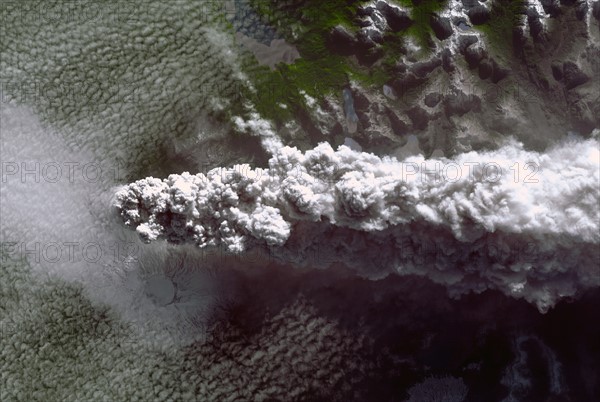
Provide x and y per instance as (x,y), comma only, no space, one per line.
(55,214)
(519,221)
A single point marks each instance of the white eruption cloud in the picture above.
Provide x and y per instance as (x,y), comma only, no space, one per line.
(55,209)
(524,222)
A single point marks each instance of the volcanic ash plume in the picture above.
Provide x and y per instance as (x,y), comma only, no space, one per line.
(524,222)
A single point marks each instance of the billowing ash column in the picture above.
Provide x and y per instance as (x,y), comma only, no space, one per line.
(523,222)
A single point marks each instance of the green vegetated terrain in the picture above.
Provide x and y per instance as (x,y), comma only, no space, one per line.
(319,72)
(420,32)
(505,16)
(421,12)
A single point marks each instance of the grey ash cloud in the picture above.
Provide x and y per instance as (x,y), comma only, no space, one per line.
(511,219)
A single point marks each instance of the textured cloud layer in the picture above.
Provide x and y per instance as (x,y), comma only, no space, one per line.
(520,221)
(121,79)
(56,345)
(55,214)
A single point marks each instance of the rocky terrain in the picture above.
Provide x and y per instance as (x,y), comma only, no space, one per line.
(459,75)
(147,90)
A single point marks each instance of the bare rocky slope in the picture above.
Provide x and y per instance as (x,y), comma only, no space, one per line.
(473,73)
